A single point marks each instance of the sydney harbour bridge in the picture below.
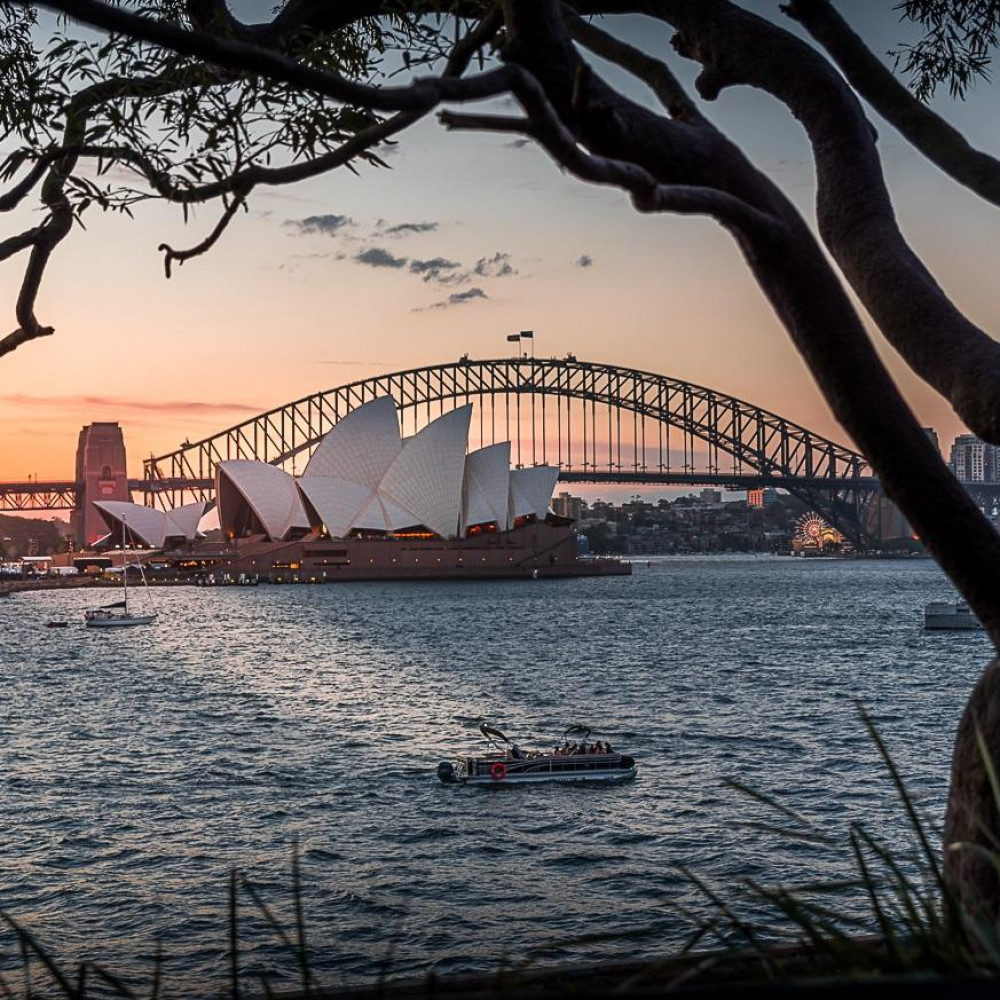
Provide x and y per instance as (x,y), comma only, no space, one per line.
(598,423)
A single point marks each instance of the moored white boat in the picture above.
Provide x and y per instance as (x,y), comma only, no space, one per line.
(117,614)
(507,764)
(950,615)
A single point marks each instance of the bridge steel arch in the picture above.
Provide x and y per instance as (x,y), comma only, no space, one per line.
(565,412)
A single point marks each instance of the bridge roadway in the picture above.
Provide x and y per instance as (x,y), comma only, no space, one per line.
(61,494)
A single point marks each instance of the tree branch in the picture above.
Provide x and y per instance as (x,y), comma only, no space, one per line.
(12,198)
(647,194)
(854,211)
(422,95)
(655,73)
(43,241)
(796,278)
(15,244)
(941,143)
(170,255)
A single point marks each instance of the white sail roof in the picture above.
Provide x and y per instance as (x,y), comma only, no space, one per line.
(151,526)
(145,523)
(363,475)
(338,502)
(531,491)
(361,446)
(271,494)
(425,480)
(486,486)
(184,521)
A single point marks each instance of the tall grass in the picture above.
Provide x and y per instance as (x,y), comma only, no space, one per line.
(902,916)
(43,975)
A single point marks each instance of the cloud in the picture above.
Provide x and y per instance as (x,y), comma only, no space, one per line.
(517,143)
(456,299)
(406,228)
(584,260)
(325,225)
(438,269)
(497,266)
(122,404)
(379,257)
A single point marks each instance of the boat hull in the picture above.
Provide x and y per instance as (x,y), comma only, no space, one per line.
(952,617)
(119,621)
(496,770)
(615,777)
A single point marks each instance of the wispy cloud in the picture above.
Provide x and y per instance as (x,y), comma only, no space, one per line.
(406,228)
(517,143)
(324,225)
(379,257)
(497,266)
(383,363)
(124,404)
(584,260)
(456,299)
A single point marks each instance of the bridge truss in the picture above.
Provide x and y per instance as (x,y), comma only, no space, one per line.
(596,422)
(57,495)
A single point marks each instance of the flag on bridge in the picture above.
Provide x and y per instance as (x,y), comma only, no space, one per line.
(526,335)
(513,338)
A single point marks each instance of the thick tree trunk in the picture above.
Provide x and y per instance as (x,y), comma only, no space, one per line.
(973,815)
(857,222)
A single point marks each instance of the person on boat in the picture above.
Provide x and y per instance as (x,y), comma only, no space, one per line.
(607,747)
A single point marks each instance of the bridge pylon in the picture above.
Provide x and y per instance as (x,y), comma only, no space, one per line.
(100,475)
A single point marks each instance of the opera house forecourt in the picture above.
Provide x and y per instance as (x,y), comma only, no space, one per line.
(371,504)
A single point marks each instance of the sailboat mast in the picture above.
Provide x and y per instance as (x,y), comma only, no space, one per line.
(124,566)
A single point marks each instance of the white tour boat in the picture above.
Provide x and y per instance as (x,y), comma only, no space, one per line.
(505,763)
(950,615)
(117,614)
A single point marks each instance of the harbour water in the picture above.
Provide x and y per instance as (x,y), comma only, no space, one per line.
(138,767)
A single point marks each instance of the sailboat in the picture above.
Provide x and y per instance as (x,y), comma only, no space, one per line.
(117,614)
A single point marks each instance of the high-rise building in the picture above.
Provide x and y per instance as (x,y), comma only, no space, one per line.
(568,506)
(973,461)
(762,496)
(711,497)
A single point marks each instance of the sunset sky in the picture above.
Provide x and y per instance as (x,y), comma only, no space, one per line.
(328,282)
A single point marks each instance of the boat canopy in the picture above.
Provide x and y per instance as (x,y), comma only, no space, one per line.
(494,736)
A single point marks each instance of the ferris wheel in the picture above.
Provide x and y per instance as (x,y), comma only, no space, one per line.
(812,530)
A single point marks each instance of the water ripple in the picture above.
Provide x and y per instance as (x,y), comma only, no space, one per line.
(136,769)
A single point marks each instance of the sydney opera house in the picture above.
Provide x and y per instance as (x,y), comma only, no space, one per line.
(371,504)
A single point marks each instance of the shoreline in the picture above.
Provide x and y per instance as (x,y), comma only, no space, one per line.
(11,587)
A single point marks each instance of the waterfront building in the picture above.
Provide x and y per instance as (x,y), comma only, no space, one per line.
(761,497)
(147,526)
(973,460)
(365,479)
(569,506)
(371,504)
